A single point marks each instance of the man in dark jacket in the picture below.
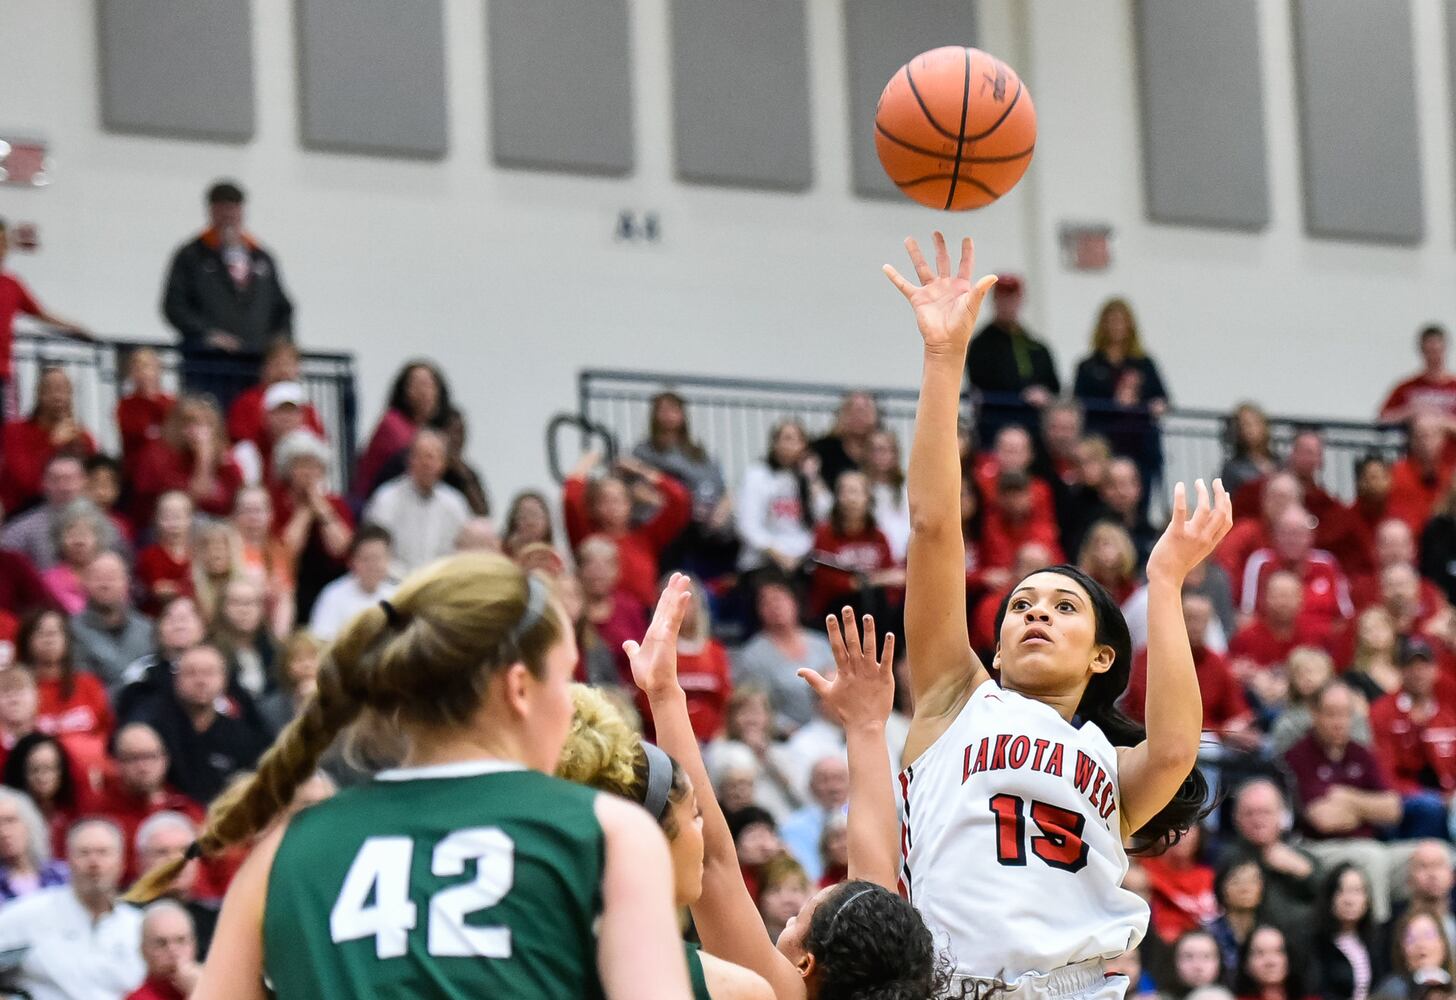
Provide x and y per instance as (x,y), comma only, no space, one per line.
(225,297)
(1011,367)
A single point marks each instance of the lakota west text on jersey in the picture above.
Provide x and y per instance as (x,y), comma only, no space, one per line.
(1013,752)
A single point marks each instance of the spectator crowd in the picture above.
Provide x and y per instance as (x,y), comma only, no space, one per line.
(163,612)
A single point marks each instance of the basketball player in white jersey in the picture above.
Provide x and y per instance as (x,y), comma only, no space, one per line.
(1018,797)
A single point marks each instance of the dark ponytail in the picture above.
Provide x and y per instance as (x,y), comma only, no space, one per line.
(1099,706)
(869,944)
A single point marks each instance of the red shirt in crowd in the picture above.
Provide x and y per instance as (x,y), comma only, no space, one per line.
(156,989)
(128,811)
(140,420)
(638,547)
(392,436)
(1315,772)
(14,298)
(27,448)
(1326,591)
(245,418)
(1353,545)
(627,620)
(867,552)
(1223,695)
(1423,392)
(1365,593)
(21,587)
(1247,536)
(1043,506)
(1000,540)
(707,680)
(157,566)
(81,721)
(1182,896)
(1266,645)
(1414,492)
(1413,752)
(161,468)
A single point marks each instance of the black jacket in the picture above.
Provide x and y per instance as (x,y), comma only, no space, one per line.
(201,296)
(203,762)
(992,364)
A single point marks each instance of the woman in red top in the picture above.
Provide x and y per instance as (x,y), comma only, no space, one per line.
(141,413)
(30,444)
(420,398)
(72,704)
(851,555)
(191,456)
(1109,557)
(612,613)
(1182,888)
(702,669)
(314,526)
(604,506)
(164,568)
(40,767)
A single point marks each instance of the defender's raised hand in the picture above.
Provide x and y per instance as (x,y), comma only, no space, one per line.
(863,689)
(1190,540)
(946,303)
(654,659)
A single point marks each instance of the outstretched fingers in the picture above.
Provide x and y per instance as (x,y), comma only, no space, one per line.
(899,281)
(922,269)
(836,641)
(887,654)
(968,258)
(815,680)
(942,255)
(1180,504)
(867,637)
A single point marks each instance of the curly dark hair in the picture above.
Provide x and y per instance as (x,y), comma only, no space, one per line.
(1099,706)
(869,944)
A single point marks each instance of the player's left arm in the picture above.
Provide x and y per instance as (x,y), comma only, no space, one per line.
(860,699)
(234,967)
(1150,773)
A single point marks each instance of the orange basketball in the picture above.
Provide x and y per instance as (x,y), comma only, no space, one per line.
(955,128)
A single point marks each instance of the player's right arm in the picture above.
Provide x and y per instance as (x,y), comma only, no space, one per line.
(234,967)
(943,668)
(639,949)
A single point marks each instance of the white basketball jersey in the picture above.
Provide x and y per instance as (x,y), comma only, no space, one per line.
(1012,840)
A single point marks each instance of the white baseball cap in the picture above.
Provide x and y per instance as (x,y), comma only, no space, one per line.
(281,394)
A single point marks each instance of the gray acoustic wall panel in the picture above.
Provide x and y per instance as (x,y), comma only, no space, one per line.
(1359,139)
(1202,97)
(177,67)
(561,85)
(881,36)
(740,93)
(371,76)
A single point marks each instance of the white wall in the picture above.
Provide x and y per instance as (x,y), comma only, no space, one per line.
(513,280)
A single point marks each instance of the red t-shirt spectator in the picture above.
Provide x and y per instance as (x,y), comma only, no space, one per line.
(82,721)
(156,989)
(707,679)
(1424,392)
(1365,593)
(1223,695)
(157,566)
(1043,507)
(21,587)
(867,552)
(1247,536)
(1414,752)
(392,436)
(140,419)
(245,417)
(14,298)
(1000,540)
(1182,896)
(1414,491)
(28,448)
(128,812)
(627,620)
(638,547)
(1326,591)
(161,468)
(1315,773)
(1267,645)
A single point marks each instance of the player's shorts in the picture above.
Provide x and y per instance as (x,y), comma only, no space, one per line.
(1083,981)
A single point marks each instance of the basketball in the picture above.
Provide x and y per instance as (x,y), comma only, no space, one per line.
(955,128)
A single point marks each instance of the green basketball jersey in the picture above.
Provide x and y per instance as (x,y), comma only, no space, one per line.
(696,976)
(469,880)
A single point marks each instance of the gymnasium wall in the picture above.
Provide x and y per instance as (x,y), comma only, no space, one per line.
(514,279)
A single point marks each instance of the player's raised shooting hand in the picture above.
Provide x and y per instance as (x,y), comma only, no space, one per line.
(946,303)
(1190,540)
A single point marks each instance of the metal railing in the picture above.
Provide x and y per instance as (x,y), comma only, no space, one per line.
(732,418)
(98,375)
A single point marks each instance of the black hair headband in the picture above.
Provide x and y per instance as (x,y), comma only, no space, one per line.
(659,780)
